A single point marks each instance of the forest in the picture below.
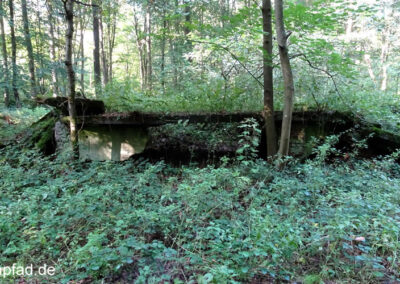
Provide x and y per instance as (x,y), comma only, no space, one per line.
(199,141)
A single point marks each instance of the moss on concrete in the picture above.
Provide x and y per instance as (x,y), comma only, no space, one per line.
(41,133)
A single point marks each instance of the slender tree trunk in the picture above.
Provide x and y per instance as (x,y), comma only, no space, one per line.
(139,44)
(69,16)
(384,76)
(111,44)
(96,51)
(223,12)
(349,28)
(270,131)
(40,84)
(28,43)
(76,51)
(174,51)
(53,55)
(388,13)
(371,73)
(287,78)
(186,28)
(14,54)
(384,61)
(103,53)
(163,51)
(187,9)
(82,55)
(174,62)
(62,81)
(144,52)
(5,57)
(148,49)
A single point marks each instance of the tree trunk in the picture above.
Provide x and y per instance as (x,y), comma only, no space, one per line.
(14,54)
(371,73)
(349,28)
(28,43)
(82,55)
(53,55)
(163,40)
(139,44)
(287,78)
(69,16)
(186,28)
(384,61)
(111,44)
(187,10)
(388,13)
(5,57)
(270,131)
(103,53)
(173,50)
(149,70)
(96,51)
(62,81)
(40,81)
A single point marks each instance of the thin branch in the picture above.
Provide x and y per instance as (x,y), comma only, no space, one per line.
(330,76)
(85,4)
(233,56)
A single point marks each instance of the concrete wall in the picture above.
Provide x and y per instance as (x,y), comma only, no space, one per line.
(100,143)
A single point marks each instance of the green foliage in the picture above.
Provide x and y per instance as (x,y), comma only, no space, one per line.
(231,224)
(197,96)
(208,136)
(19,119)
(249,140)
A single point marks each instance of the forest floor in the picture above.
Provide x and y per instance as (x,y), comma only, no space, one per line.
(334,218)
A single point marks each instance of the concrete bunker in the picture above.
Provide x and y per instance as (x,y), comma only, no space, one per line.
(120,136)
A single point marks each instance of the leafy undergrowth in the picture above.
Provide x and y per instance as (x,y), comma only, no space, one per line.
(195,97)
(241,222)
(366,103)
(15,120)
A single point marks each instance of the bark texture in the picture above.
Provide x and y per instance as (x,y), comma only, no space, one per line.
(149,68)
(28,44)
(69,16)
(270,130)
(5,57)
(82,55)
(96,50)
(287,78)
(53,55)
(104,57)
(13,54)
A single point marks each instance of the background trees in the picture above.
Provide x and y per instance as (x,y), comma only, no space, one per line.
(204,55)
